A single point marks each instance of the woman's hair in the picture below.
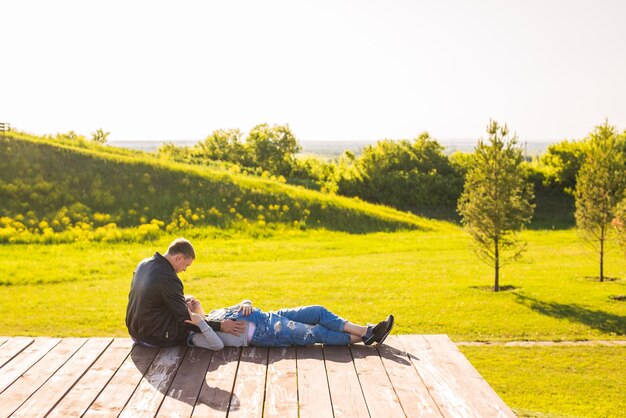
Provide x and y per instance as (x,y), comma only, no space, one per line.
(181,246)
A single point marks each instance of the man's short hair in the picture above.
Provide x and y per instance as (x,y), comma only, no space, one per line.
(181,246)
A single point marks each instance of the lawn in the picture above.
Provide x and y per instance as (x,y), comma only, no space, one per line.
(428,279)
(558,381)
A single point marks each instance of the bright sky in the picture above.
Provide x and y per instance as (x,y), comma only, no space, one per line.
(331,69)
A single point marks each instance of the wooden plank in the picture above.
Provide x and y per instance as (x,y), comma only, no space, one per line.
(443,387)
(12,348)
(55,388)
(484,400)
(379,394)
(215,395)
(249,390)
(78,399)
(414,397)
(313,392)
(186,386)
(16,394)
(120,388)
(3,340)
(25,360)
(281,390)
(345,388)
(155,384)
(408,376)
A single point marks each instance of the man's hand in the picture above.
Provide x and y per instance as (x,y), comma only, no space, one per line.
(233,327)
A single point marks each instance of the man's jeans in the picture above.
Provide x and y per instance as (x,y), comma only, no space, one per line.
(305,325)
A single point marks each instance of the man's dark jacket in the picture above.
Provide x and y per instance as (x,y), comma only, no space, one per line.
(156,310)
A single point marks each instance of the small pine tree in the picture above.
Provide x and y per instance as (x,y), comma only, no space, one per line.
(599,188)
(495,203)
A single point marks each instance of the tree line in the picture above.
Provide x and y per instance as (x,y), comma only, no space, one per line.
(414,175)
(410,175)
(494,192)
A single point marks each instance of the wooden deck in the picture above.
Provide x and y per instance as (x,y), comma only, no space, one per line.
(411,375)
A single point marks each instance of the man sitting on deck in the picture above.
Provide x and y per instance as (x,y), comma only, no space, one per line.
(156,315)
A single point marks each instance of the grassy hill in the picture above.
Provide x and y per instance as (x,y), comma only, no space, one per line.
(49,187)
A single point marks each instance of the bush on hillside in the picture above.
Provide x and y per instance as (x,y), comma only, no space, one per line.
(408,175)
(267,148)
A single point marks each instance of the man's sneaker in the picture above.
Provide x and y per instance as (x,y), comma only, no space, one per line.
(382,330)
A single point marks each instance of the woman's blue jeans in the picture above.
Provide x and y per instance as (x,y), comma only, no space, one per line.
(305,325)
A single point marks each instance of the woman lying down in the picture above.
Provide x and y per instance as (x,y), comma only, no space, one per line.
(305,325)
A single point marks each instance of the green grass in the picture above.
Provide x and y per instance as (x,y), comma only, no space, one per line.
(428,279)
(557,381)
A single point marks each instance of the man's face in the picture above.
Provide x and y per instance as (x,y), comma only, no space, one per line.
(181,263)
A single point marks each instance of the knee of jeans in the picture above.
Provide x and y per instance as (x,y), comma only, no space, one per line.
(320,311)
